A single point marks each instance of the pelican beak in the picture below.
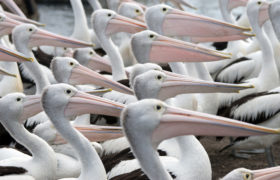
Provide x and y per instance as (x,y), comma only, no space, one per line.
(181,23)
(93,133)
(165,50)
(83,75)
(6,73)
(236,3)
(22,19)
(12,6)
(123,24)
(83,103)
(174,85)
(264,12)
(178,122)
(32,106)
(267,173)
(141,18)
(99,63)
(42,37)
(13,56)
(7,25)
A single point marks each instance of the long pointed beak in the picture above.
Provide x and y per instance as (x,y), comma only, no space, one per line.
(13,56)
(7,25)
(178,122)
(123,24)
(42,37)
(83,75)
(99,63)
(141,18)
(12,6)
(22,19)
(263,12)
(93,133)
(174,85)
(267,173)
(82,103)
(6,73)
(181,23)
(32,106)
(165,49)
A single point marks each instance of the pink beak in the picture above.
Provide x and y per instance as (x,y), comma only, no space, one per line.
(181,23)
(99,63)
(178,122)
(267,173)
(42,37)
(263,13)
(13,7)
(94,133)
(123,24)
(12,56)
(83,75)
(82,103)
(32,106)
(22,19)
(7,25)
(165,50)
(174,85)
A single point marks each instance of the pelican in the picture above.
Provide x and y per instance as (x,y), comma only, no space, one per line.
(145,131)
(26,36)
(260,174)
(107,22)
(62,102)
(13,7)
(268,77)
(12,118)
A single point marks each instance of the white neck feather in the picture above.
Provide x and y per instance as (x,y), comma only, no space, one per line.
(81,30)
(91,164)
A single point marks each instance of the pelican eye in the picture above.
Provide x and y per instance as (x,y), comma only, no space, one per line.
(68,91)
(164,9)
(30,29)
(18,99)
(137,11)
(65,48)
(71,64)
(152,36)
(246,176)
(158,107)
(109,15)
(159,77)
(91,53)
(259,2)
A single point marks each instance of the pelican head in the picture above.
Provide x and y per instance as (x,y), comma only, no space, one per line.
(131,10)
(88,57)
(19,107)
(34,36)
(138,69)
(168,21)
(259,9)
(153,121)
(68,70)
(247,174)
(64,100)
(108,21)
(148,46)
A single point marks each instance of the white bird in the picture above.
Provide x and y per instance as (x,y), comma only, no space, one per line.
(62,102)
(145,131)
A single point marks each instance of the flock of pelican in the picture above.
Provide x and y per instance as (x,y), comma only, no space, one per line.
(126,97)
